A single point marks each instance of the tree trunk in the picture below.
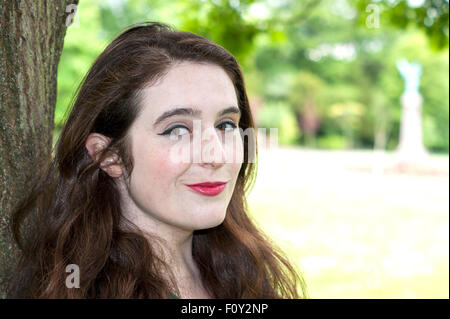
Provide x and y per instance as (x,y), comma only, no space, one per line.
(31,41)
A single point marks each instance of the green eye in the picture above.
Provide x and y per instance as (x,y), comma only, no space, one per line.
(231,126)
(177,130)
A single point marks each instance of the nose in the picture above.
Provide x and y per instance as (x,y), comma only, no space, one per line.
(212,152)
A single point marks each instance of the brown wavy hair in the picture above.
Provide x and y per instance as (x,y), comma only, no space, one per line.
(73,215)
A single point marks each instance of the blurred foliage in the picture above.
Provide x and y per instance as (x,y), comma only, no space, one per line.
(304,96)
(326,76)
(332,142)
(430,16)
(280,115)
(348,115)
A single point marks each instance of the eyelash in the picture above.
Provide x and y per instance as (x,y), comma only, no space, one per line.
(170,129)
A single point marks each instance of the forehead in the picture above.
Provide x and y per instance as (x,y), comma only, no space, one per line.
(206,87)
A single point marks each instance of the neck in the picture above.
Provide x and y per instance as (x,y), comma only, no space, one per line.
(176,250)
(174,245)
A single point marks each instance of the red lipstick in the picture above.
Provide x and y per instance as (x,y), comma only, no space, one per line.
(208,189)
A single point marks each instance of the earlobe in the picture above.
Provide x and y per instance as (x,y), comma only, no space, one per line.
(111,164)
(113,170)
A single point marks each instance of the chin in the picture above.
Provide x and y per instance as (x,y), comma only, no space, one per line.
(209,220)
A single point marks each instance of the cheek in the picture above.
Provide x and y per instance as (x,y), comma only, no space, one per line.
(159,174)
(234,149)
(168,169)
(159,168)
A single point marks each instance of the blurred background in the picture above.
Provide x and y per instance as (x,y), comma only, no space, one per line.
(354,186)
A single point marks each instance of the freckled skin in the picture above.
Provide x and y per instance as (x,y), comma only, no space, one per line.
(157,196)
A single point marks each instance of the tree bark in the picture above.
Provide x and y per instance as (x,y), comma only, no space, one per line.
(31,40)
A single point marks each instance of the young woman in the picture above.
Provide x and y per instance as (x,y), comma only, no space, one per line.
(119,202)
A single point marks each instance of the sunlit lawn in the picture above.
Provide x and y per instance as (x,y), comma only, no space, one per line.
(354,233)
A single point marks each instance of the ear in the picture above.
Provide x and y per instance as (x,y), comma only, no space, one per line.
(95,144)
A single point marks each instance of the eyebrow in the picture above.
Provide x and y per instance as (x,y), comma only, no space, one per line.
(193,113)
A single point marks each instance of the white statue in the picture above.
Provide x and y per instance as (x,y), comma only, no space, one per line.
(410,73)
(411,146)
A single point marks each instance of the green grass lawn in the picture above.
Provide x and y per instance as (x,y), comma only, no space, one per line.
(353,233)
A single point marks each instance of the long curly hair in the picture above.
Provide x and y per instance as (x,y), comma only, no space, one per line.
(73,214)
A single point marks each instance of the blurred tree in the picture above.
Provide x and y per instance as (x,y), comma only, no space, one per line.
(31,41)
(221,21)
(234,32)
(304,96)
(280,115)
(357,63)
(348,115)
(82,44)
(431,16)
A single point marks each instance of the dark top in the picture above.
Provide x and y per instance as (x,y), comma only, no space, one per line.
(173,296)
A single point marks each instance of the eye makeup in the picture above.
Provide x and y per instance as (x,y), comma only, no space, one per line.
(187,111)
(231,126)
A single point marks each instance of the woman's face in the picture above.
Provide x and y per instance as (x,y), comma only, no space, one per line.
(190,147)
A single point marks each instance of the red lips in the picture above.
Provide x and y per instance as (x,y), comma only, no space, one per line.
(208,188)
